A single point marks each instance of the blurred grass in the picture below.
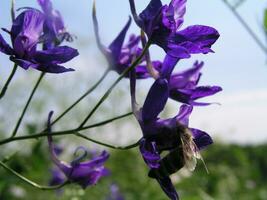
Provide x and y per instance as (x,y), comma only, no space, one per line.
(236,172)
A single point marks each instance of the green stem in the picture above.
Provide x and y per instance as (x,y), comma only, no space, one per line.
(107,93)
(4,89)
(246,26)
(82,97)
(66,132)
(41,187)
(107,145)
(27,105)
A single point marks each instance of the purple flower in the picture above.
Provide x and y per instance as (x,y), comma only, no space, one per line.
(25,35)
(173,135)
(57,177)
(120,56)
(162,24)
(184,86)
(54,28)
(82,173)
(115,193)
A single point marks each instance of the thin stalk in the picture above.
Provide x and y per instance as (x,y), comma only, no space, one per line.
(107,93)
(246,26)
(27,105)
(13,10)
(4,89)
(29,182)
(65,132)
(151,70)
(107,145)
(82,97)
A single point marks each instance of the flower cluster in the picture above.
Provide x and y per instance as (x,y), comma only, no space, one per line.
(173,135)
(84,173)
(167,145)
(32,27)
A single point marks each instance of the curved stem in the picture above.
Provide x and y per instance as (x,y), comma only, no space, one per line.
(81,97)
(246,26)
(107,93)
(27,105)
(66,132)
(41,187)
(107,145)
(4,89)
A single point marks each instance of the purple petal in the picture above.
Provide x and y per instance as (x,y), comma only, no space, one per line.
(179,10)
(177,51)
(46,5)
(149,14)
(101,47)
(53,68)
(188,78)
(57,177)
(201,138)
(141,70)
(26,30)
(4,47)
(168,188)
(156,99)
(168,65)
(149,153)
(184,113)
(204,91)
(25,64)
(88,173)
(116,45)
(56,55)
(197,39)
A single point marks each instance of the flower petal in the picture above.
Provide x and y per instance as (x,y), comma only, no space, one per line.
(179,11)
(201,138)
(156,99)
(26,30)
(184,113)
(56,55)
(116,45)
(188,78)
(197,39)
(25,64)
(4,47)
(167,186)
(53,68)
(167,66)
(149,153)
(204,91)
(149,14)
(46,5)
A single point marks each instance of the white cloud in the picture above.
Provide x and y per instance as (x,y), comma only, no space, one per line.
(241,118)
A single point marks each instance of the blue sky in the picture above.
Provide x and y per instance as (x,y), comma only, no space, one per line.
(238,65)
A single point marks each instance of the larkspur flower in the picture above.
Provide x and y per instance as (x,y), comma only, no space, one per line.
(162,24)
(84,173)
(25,35)
(172,135)
(119,56)
(54,28)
